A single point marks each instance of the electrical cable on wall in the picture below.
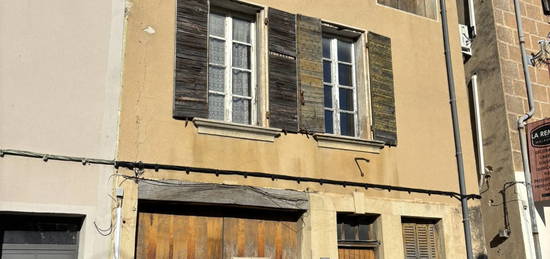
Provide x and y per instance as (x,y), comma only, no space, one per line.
(140,166)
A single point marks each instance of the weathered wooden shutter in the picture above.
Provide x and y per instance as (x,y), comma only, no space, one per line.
(409,240)
(432,241)
(310,74)
(190,88)
(283,106)
(420,241)
(382,92)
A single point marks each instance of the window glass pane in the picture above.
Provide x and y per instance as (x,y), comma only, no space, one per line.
(326,48)
(346,99)
(328,122)
(217,25)
(39,237)
(241,56)
(327,73)
(241,30)
(241,110)
(216,51)
(328,96)
(241,82)
(216,77)
(344,74)
(347,124)
(344,51)
(215,106)
(350,232)
(363,232)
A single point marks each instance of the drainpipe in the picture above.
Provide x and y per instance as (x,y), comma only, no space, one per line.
(521,129)
(118,222)
(456,133)
(479,134)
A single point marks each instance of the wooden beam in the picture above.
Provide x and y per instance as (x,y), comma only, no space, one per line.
(222,194)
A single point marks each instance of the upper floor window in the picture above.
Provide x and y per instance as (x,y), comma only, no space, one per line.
(426,8)
(231,68)
(339,86)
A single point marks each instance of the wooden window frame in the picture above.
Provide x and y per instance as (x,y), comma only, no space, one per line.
(335,83)
(371,223)
(228,66)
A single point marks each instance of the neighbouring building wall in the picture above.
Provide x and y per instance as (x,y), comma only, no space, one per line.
(496,60)
(60,70)
(423,158)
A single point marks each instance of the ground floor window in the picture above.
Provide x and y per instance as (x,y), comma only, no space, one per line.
(421,238)
(39,236)
(357,236)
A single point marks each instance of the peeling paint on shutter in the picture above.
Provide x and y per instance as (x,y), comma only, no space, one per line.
(382,89)
(310,74)
(190,85)
(283,102)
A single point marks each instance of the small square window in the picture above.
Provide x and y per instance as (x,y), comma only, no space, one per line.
(232,68)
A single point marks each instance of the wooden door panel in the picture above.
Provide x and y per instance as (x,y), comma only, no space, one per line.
(209,237)
(178,236)
(355,253)
(259,238)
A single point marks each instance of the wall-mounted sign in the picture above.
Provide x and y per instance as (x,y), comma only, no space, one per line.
(538,139)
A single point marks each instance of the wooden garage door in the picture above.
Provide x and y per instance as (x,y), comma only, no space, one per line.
(162,235)
(355,253)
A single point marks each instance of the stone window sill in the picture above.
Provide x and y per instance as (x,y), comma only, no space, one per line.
(348,143)
(234,130)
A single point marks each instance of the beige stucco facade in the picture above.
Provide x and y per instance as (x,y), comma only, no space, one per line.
(423,158)
(60,76)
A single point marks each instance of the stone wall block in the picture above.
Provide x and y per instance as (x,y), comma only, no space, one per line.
(504,34)
(510,68)
(504,5)
(514,104)
(540,93)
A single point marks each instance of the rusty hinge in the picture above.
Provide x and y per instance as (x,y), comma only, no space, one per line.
(302,100)
(267,115)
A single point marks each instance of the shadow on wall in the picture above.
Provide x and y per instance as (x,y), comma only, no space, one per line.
(482,256)
(540,209)
(497,240)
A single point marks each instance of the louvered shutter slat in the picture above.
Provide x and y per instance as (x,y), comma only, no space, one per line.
(190,89)
(382,89)
(310,74)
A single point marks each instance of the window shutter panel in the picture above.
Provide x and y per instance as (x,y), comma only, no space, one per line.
(432,241)
(409,240)
(190,88)
(310,74)
(283,104)
(382,92)
(422,241)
